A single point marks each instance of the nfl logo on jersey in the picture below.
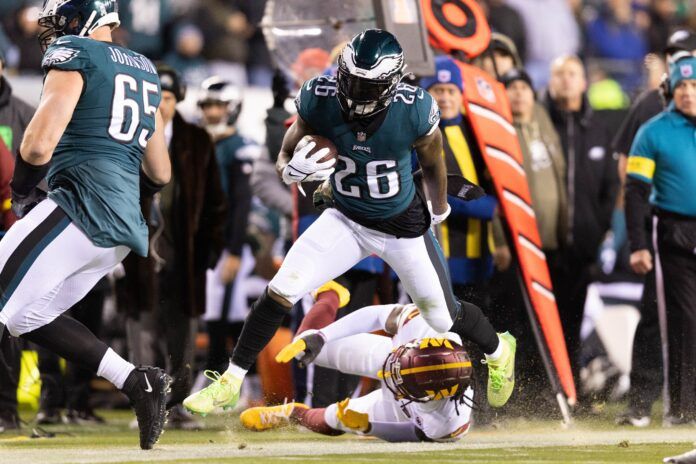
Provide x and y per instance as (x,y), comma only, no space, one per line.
(361,136)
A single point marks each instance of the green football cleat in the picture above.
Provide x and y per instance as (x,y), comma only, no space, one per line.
(223,392)
(501,372)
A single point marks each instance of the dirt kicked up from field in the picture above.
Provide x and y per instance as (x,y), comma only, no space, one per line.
(223,441)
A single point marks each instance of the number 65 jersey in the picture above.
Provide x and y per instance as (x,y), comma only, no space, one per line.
(373,182)
(95,170)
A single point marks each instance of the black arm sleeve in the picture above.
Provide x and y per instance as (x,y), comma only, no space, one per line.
(239,206)
(637,212)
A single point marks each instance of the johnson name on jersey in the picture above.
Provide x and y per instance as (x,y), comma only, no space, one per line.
(373,174)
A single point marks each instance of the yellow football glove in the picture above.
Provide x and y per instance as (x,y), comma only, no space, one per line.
(304,349)
(354,420)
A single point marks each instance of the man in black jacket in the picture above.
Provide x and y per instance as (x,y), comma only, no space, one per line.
(593,185)
(164,293)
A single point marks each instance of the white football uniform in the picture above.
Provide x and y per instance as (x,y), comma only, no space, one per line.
(364,354)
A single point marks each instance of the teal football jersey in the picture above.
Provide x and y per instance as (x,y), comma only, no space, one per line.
(95,172)
(373,177)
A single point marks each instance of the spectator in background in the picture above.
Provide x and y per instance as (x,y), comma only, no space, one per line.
(551,31)
(592,183)
(258,63)
(616,38)
(164,293)
(226,31)
(265,183)
(14,117)
(500,57)
(504,19)
(661,183)
(663,20)
(187,56)
(22,28)
(545,168)
(14,113)
(145,21)
(646,372)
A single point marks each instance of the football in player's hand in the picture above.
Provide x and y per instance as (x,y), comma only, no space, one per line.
(320,142)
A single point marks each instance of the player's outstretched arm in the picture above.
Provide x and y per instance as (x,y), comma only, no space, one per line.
(156,163)
(364,320)
(430,156)
(292,137)
(61,92)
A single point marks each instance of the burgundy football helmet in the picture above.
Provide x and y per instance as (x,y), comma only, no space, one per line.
(428,369)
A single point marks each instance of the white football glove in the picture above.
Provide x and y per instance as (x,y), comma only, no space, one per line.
(435,219)
(303,167)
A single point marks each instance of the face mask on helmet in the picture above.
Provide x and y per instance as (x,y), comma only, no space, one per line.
(369,71)
(75,17)
(427,369)
(224,95)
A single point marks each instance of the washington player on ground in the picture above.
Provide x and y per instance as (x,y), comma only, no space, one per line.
(375,122)
(96,136)
(425,377)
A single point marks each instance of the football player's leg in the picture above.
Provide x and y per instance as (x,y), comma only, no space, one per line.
(425,277)
(361,354)
(146,387)
(324,251)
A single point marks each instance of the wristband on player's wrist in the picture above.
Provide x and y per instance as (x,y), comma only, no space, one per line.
(148,186)
(27,176)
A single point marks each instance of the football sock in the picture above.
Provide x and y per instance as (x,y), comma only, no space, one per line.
(313,419)
(471,324)
(114,368)
(497,353)
(237,371)
(70,339)
(322,313)
(261,324)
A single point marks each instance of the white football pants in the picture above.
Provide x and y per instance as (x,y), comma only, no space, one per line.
(334,243)
(47,264)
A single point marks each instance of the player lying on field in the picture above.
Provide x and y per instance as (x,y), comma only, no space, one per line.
(425,377)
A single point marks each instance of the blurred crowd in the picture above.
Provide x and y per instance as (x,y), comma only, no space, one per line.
(571,68)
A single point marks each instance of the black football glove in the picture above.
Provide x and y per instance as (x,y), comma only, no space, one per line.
(22,204)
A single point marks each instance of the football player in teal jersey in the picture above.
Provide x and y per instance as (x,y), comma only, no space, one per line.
(375,121)
(96,136)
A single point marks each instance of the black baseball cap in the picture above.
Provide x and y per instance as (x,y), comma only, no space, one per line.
(681,40)
(516,74)
(171,80)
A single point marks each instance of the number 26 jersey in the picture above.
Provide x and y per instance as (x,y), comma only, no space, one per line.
(94,174)
(373,178)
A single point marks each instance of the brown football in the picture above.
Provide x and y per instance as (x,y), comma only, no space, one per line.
(321,142)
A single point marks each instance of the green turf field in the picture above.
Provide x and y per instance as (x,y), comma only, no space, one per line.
(518,441)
